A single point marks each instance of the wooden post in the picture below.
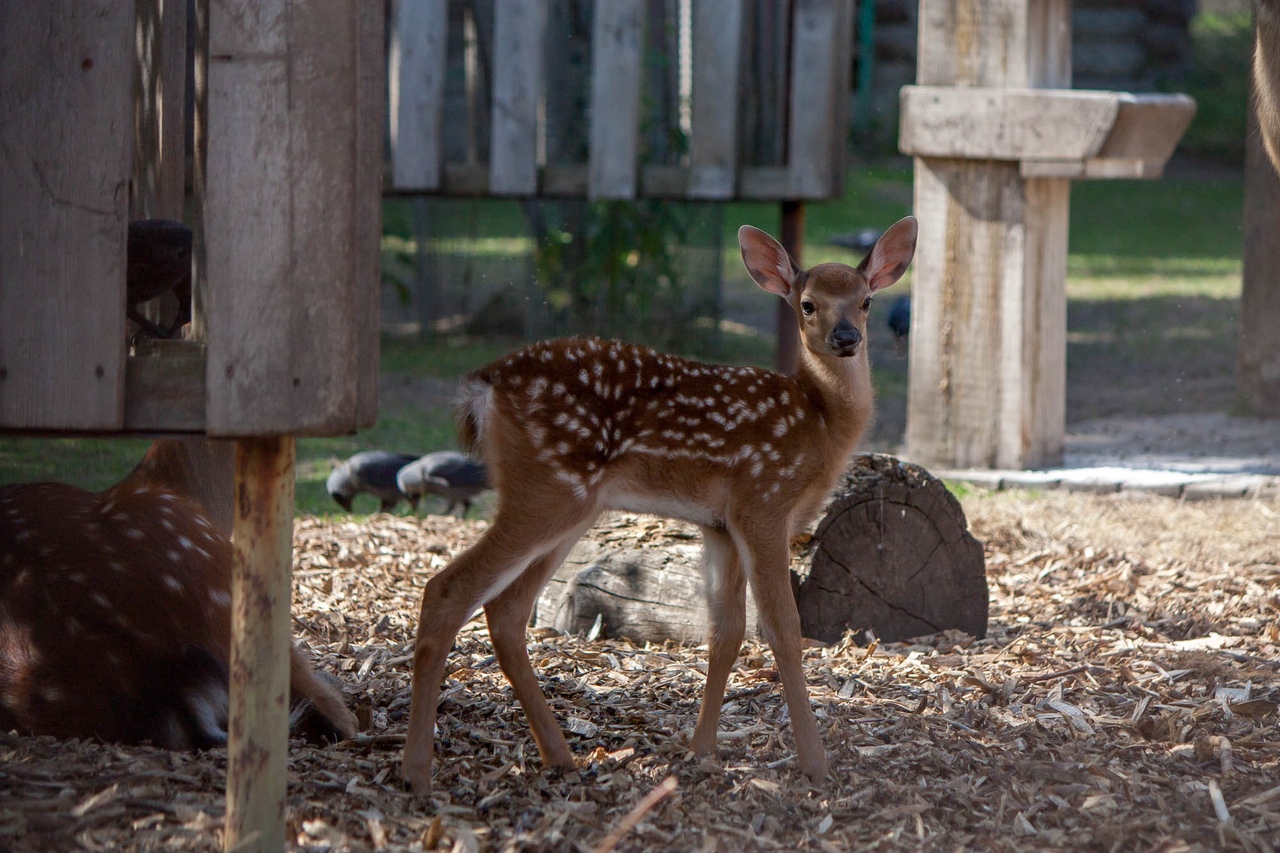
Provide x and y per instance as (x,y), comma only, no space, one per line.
(1259,348)
(995,145)
(257,754)
(988,337)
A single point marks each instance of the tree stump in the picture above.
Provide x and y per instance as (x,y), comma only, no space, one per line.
(893,554)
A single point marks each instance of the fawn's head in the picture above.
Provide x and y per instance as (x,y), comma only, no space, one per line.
(831,301)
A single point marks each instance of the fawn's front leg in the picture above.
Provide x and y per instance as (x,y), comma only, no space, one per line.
(726,608)
(771,584)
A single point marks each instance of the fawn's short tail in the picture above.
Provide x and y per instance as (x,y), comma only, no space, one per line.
(471,409)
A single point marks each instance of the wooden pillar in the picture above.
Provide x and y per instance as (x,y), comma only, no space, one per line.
(257,757)
(988,337)
(1259,350)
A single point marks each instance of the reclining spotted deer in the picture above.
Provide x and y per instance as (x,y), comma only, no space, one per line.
(571,428)
(115,609)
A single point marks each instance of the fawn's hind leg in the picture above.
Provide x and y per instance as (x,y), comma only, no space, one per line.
(726,604)
(517,540)
(508,617)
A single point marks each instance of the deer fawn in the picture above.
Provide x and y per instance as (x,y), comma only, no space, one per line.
(571,428)
(115,612)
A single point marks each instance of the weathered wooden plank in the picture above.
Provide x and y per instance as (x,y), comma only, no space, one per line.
(988,330)
(1029,124)
(419,30)
(819,30)
(617,44)
(713,148)
(367,273)
(1004,124)
(165,387)
(991,43)
(282,190)
(518,59)
(66,97)
(258,716)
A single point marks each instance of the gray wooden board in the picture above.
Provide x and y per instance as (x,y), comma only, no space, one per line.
(367,274)
(713,148)
(287,283)
(66,148)
(617,44)
(815,119)
(518,57)
(419,30)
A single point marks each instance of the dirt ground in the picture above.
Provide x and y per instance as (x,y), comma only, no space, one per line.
(1125,697)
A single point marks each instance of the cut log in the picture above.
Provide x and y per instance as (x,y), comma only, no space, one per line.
(894,555)
(636,577)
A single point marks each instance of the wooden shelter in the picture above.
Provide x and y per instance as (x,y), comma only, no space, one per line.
(286,170)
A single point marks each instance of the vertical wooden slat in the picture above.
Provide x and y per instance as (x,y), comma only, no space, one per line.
(282,218)
(367,273)
(820,30)
(416,68)
(258,720)
(66,130)
(713,151)
(518,59)
(617,43)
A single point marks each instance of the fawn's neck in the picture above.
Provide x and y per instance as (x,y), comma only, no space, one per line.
(843,388)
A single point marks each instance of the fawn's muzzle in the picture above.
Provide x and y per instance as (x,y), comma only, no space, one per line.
(844,339)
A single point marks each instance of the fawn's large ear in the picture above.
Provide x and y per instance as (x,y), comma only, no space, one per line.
(892,253)
(766,260)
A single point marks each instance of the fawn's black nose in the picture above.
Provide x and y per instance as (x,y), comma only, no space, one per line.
(845,338)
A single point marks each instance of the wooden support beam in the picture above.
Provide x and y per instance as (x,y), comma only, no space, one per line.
(792,239)
(419,34)
(258,724)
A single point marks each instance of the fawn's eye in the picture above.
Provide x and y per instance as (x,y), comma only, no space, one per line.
(866,304)
(806,305)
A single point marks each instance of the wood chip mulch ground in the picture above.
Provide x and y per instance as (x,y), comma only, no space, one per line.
(1125,698)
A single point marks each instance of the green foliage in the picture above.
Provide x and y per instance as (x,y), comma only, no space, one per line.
(612,268)
(1219,81)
